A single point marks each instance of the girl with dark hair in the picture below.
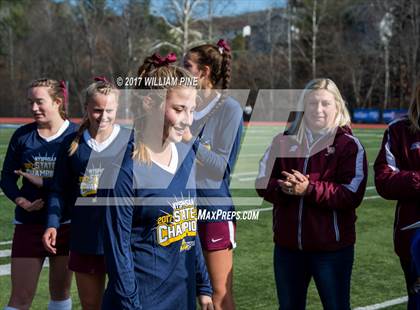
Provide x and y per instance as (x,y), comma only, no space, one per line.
(218,125)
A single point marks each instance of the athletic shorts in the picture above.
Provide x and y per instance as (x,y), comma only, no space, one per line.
(87,263)
(27,241)
(216,236)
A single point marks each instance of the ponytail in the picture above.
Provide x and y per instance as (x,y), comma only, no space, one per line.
(75,143)
(219,59)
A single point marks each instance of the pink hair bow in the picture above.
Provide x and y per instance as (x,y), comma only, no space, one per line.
(223,46)
(160,61)
(100,79)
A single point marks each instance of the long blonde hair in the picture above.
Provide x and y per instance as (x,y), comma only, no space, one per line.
(414,111)
(100,86)
(161,71)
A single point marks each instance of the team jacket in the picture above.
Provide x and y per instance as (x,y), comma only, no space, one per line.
(220,138)
(397,177)
(324,219)
(76,178)
(152,250)
(29,152)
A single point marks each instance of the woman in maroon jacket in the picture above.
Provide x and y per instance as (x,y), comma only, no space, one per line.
(397,177)
(315,180)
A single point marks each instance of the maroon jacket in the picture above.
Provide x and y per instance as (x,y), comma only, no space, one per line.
(324,219)
(397,177)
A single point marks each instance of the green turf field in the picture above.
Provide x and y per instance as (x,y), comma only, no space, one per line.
(376,275)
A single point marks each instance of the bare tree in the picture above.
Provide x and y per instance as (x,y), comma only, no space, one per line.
(385,32)
(135,21)
(310,15)
(214,8)
(180,16)
(89,14)
(292,33)
(315,27)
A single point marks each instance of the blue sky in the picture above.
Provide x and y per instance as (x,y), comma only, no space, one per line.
(242,6)
(233,7)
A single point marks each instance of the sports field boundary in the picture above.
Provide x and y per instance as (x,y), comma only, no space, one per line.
(385,304)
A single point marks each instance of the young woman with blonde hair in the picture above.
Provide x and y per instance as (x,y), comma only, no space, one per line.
(152,250)
(315,180)
(218,126)
(83,157)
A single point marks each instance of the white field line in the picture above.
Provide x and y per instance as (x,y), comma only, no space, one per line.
(6,242)
(254,130)
(262,210)
(247,179)
(251,155)
(255,144)
(242,174)
(5,253)
(372,197)
(268,137)
(245,176)
(385,304)
(4,270)
(370,137)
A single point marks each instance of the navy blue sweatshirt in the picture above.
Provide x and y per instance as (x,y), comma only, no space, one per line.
(220,138)
(30,152)
(77,176)
(152,250)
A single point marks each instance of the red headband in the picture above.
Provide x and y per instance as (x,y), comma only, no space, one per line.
(223,46)
(64,89)
(160,61)
(100,79)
